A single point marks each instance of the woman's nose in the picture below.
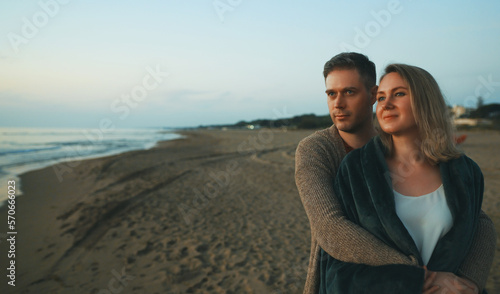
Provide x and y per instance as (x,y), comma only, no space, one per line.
(387,103)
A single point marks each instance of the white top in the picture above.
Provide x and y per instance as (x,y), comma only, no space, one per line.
(427,218)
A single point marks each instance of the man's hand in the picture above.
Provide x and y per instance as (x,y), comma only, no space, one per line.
(449,283)
(429,287)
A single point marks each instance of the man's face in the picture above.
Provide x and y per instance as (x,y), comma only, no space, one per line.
(349,103)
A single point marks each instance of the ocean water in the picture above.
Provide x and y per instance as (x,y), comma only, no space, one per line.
(25,149)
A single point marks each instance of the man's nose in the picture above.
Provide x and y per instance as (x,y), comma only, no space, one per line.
(340,101)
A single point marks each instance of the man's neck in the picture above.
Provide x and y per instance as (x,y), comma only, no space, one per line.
(358,139)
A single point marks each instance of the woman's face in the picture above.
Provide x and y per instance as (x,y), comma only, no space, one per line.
(394,112)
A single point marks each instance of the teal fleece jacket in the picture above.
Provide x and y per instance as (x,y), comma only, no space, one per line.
(364,188)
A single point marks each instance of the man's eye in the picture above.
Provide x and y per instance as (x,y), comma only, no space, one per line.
(331,94)
(349,92)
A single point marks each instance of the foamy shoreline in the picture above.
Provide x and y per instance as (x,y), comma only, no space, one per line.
(13,173)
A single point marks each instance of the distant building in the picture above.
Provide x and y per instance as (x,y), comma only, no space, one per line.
(472,122)
(458,111)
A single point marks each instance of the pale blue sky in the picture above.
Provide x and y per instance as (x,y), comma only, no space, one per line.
(70,63)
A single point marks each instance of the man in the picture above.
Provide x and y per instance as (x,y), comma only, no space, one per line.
(350,81)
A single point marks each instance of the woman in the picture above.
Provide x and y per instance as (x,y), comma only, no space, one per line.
(411,188)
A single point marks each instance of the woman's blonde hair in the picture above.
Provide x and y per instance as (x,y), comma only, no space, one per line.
(430,112)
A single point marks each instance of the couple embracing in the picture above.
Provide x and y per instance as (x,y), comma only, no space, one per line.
(393,208)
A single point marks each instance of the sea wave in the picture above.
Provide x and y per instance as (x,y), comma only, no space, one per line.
(22,150)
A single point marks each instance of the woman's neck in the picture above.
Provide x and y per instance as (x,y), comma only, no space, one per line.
(406,149)
(411,174)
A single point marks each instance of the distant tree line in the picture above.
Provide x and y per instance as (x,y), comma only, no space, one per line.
(305,121)
(312,121)
(491,111)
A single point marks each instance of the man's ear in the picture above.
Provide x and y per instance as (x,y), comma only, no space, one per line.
(373,93)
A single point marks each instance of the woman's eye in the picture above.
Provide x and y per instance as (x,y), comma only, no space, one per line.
(381,98)
(400,94)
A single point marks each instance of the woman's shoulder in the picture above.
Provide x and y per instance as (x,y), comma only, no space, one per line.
(465,167)
(353,156)
(465,161)
(370,153)
(373,147)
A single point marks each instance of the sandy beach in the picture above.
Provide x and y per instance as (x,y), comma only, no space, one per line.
(216,212)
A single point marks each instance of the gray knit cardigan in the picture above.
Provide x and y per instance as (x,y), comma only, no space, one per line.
(318,157)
